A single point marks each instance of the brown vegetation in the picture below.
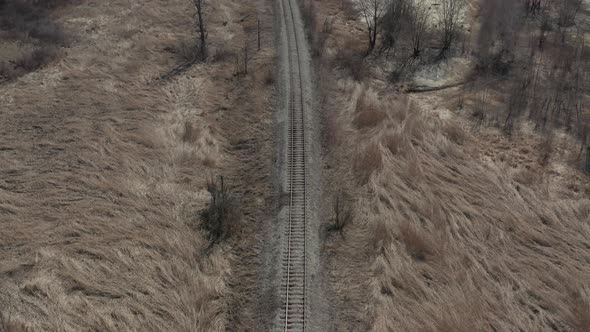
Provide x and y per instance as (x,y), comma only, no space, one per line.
(104,170)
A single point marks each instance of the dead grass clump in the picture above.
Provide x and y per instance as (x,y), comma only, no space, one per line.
(579,317)
(186,52)
(266,76)
(368,113)
(395,142)
(9,325)
(415,125)
(369,161)
(334,132)
(369,118)
(418,245)
(454,132)
(7,71)
(223,211)
(584,210)
(381,237)
(190,133)
(351,61)
(525,176)
(222,53)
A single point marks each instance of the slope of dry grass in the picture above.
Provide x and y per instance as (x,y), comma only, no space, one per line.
(103,171)
(459,238)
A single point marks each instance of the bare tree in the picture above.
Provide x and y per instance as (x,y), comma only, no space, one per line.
(200,29)
(501,23)
(450,21)
(532,7)
(372,12)
(419,13)
(394,20)
(567,11)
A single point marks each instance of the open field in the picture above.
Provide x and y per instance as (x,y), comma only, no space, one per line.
(104,169)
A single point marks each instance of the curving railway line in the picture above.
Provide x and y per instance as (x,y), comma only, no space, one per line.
(292,315)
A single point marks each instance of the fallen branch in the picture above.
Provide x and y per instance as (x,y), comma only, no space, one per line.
(422,88)
(178,70)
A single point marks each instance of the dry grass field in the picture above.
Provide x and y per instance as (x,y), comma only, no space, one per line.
(457,226)
(103,168)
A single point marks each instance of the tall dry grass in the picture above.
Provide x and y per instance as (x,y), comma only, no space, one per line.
(103,171)
(456,240)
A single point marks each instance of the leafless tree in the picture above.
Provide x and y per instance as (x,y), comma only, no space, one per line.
(567,11)
(201,29)
(419,13)
(450,23)
(372,12)
(501,22)
(532,7)
(394,20)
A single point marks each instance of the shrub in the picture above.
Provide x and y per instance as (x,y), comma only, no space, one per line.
(351,61)
(7,72)
(223,211)
(348,9)
(186,52)
(191,133)
(342,214)
(47,31)
(454,133)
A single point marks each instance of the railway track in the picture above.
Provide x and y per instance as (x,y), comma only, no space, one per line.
(292,315)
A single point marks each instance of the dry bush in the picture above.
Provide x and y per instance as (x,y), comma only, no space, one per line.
(545,149)
(351,60)
(369,118)
(334,131)
(579,317)
(186,51)
(222,213)
(320,37)
(191,133)
(526,176)
(367,109)
(221,53)
(454,132)
(9,325)
(342,213)
(381,237)
(349,9)
(7,71)
(368,161)
(418,245)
